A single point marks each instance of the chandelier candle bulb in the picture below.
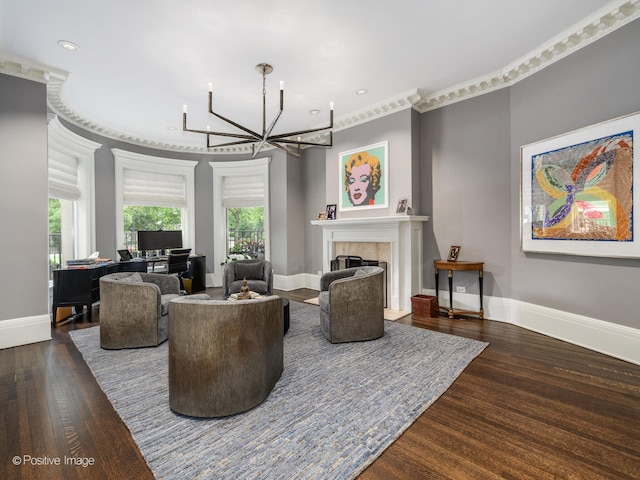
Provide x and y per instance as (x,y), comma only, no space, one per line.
(331,106)
(184,109)
(210,87)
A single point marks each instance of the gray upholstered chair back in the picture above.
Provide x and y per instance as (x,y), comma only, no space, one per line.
(225,357)
(259,275)
(134,309)
(352,304)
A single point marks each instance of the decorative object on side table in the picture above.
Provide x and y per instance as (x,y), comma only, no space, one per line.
(454,252)
(244,294)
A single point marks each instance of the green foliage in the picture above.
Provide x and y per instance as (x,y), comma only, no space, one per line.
(54,215)
(151,218)
(250,218)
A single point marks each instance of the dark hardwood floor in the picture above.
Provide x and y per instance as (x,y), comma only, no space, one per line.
(529,407)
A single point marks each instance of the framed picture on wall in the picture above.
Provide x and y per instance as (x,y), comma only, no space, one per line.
(364,177)
(579,191)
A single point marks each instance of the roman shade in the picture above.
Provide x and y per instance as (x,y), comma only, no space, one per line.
(63,177)
(153,189)
(243,191)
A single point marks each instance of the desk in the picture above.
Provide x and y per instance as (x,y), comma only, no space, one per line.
(459,266)
(80,287)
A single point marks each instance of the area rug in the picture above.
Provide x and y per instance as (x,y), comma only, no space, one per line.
(332,413)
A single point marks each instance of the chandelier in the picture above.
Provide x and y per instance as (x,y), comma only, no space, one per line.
(283,141)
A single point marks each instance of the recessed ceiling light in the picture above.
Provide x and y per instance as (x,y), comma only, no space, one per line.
(171,129)
(314,111)
(67,45)
(362,91)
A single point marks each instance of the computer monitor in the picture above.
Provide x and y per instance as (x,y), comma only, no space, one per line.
(159,239)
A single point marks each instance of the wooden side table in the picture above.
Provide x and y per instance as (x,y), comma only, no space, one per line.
(458,266)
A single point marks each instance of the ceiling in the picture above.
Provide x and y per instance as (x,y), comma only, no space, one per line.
(138,62)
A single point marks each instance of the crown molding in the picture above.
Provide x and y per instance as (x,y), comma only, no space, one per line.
(29,70)
(606,20)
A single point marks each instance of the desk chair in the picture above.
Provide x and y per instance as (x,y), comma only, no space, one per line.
(177,263)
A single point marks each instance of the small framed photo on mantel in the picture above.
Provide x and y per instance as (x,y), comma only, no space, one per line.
(331,211)
(404,206)
(454,251)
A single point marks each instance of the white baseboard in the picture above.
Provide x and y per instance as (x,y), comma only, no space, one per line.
(605,337)
(617,341)
(22,331)
(293,282)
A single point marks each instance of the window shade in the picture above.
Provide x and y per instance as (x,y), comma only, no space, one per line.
(63,177)
(243,191)
(153,189)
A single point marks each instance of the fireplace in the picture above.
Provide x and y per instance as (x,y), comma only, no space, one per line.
(400,236)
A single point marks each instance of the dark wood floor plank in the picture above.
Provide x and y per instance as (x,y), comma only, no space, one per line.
(529,407)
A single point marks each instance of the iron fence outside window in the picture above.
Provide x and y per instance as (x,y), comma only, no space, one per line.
(55,253)
(247,242)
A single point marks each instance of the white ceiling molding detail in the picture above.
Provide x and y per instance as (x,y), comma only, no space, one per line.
(23,68)
(615,15)
(589,30)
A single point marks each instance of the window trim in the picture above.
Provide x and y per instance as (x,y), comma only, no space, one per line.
(258,166)
(147,163)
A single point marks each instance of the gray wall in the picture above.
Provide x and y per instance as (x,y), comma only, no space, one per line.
(466,190)
(597,83)
(314,182)
(23,198)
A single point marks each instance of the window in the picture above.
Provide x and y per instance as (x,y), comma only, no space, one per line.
(153,193)
(245,232)
(71,195)
(240,210)
(148,218)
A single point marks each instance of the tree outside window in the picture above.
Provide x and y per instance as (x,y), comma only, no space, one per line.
(148,218)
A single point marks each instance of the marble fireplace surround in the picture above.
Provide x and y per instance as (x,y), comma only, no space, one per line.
(403,238)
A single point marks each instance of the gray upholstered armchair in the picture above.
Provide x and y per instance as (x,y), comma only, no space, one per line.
(259,275)
(225,357)
(352,304)
(134,309)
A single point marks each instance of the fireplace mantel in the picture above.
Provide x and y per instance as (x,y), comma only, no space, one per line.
(402,232)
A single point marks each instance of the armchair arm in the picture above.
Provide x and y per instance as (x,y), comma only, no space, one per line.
(268,275)
(228,276)
(332,276)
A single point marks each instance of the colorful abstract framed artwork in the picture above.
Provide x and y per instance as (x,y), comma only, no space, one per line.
(364,177)
(579,191)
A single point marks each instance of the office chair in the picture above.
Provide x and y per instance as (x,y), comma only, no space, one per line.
(177,263)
